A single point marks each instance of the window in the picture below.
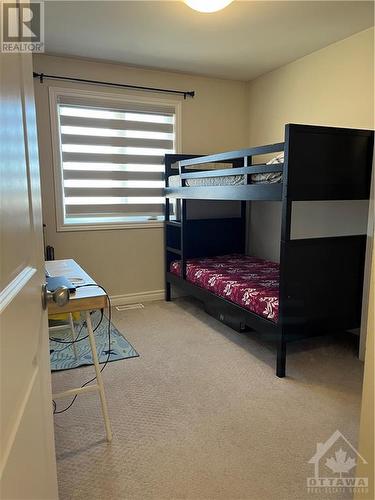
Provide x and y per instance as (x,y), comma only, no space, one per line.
(109,159)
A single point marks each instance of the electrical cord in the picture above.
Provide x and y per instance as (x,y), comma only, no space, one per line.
(77,339)
(69,344)
(55,411)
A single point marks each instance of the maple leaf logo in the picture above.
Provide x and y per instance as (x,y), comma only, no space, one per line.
(340,463)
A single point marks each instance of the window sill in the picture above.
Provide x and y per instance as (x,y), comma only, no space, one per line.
(109,227)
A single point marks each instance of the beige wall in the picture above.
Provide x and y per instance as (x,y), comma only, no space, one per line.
(130,261)
(333,86)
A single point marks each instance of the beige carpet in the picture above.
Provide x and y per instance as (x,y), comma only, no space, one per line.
(201,415)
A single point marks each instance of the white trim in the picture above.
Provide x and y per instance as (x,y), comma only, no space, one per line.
(135,298)
(113,96)
(54,93)
(56,159)
(15,286)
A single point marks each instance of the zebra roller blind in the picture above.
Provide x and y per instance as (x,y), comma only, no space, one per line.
(112,159)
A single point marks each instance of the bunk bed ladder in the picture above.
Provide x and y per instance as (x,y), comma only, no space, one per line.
(166,261)
(247,162)
(183,239)
(286,221)
(174,225)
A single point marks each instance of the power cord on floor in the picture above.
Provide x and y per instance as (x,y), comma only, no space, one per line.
(55,411)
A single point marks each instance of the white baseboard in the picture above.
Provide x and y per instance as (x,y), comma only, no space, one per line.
(136,298)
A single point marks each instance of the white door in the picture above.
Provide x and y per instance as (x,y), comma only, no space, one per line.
(28,465)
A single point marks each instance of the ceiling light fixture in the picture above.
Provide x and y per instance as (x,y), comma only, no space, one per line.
(208,5)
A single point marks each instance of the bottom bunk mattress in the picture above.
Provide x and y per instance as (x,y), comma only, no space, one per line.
(250,282)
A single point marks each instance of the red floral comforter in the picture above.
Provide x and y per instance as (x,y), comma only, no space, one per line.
(248,281)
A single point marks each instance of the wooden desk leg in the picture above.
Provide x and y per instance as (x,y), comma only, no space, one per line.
(99,379)
(73,330)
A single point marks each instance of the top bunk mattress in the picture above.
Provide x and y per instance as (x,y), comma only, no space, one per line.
(232,180)
(227,180)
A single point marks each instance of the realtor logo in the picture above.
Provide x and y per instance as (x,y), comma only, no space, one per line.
(334,467)
(22,27)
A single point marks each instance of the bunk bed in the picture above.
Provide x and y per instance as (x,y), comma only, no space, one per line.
(316,287)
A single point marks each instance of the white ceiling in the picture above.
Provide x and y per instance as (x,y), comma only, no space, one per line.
(243,41)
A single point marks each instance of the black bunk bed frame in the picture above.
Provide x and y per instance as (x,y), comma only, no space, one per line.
(320,289)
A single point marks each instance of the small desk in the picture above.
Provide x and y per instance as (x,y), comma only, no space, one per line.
(85,299)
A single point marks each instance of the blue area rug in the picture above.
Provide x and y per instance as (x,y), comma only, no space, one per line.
(62,355)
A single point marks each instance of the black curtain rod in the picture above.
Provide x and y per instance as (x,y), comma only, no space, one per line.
(42,76)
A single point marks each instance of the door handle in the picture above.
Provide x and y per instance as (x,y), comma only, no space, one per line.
(60,296)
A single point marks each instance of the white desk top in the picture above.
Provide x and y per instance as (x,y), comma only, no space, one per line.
(85,298)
